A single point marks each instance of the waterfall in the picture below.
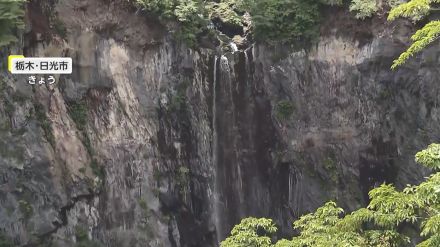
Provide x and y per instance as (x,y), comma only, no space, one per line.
(222,73)
(217,210)
(247,66)
(295,190)
(224,64)
(224,67)
(233,47)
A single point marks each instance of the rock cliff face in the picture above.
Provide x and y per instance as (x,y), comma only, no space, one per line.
(149,143)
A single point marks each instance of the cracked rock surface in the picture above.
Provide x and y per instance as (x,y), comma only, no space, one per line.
(149,143)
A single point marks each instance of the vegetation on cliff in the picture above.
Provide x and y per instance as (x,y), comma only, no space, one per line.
(416,10)
(384,222)
(270,21)
(285,21)
(11,18)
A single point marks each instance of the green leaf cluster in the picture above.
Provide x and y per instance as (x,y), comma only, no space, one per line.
(190,13)
(364,8)
(251,232)
(285,21)
(367,8)
(284,110)
(430,157)
(416,10)
(82,238)
(381,223)
(230,12)
(11,19)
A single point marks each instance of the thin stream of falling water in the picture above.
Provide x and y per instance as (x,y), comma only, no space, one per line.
(292,181)
(228,68)
(299,191)
(246,61)
(254,58)
(219,206)
(231,75)
(217,212)
(295,190)
(233,47)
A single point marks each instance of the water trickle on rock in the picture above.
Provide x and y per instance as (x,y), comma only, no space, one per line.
(217,213)
(233,47)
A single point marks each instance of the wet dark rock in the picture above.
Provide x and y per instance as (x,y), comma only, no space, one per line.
(191,141)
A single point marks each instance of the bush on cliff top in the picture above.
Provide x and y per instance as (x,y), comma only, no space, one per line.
(281,21)
(273,21)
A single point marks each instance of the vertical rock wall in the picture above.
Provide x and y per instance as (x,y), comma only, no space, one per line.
(149,143)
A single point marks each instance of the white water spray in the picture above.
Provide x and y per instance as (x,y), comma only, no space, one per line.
(233,47)
(217,203)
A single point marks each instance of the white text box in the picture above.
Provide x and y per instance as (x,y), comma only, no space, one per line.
(42,65)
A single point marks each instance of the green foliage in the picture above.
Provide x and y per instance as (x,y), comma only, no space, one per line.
(251,232)
(5,241)
(97,169)
(332,2)
(367,8)
(162,8)
(280,21)
(284,110)
(183,179)
(422,38)
(379,224)
(316,227)
(190,13)
(285,21)
(185,10)
(25,209)
(157,174)
(416,10)
(78,113)
(177,102)
(228,11)
(81,234)
(41,117)
(11,19)
(430,157)
(364,8)
(82,238)
(82,170)
(60,28)
(143,204)
(330,166)
(178,98)
(12,150)
(183,171)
